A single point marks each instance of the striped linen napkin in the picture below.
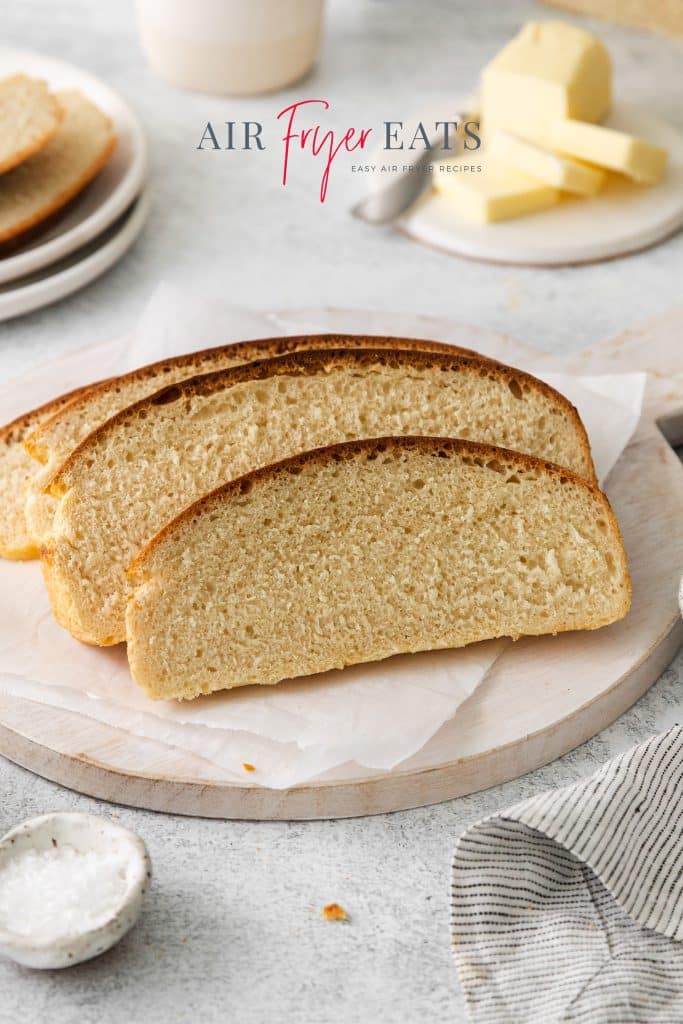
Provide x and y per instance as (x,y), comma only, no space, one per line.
(569,905)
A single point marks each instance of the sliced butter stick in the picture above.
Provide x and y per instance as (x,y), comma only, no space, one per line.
(551,69)
(550,168)
(606,147)
(43,184)
(495,192)
(29,117)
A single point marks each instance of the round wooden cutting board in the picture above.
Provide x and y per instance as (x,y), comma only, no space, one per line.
(542,697)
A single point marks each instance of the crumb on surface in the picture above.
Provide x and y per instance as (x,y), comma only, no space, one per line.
(334,912)
(248,767)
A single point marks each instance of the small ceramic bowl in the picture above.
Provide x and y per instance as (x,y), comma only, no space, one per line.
(84,833)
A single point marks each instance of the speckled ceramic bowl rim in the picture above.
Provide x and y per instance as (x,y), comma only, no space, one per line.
(137,879)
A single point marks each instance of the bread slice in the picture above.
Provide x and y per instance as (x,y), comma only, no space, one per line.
(367,549)
(137,471)
(16,469)
(48,180)
(29,117)
(51,433)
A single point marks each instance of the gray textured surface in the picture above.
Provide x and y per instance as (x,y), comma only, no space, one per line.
(232,928)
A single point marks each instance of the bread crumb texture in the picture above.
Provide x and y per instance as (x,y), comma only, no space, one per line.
(59,170)
(16,472)
(334,912)
(29,117)
(130,478)
(362,551)
(57,436)
(16,541)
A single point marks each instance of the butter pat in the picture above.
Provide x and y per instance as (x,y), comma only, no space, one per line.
(550,70)
(561,172)
(606,147)
(497,192)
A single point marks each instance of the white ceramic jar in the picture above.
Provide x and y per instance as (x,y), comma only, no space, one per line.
(230,47)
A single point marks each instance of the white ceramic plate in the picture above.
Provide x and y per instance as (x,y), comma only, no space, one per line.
(111,192)
(77,269)
(624,218)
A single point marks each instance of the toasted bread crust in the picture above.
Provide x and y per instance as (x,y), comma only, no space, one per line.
(370,448)
(307,363)
(16,430)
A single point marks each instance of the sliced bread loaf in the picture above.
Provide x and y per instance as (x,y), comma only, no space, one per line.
(16,469)
(367,549)
(29,117)
(137,471)
(28,511)
(49,179)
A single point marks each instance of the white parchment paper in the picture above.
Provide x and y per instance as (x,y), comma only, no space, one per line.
(372,715)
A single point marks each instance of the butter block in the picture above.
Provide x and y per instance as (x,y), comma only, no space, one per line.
(496,192)
(550,70)
(561,172)
(606,147)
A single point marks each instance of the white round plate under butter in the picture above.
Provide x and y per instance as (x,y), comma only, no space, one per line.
(623,218)
(111,192)
(118,852)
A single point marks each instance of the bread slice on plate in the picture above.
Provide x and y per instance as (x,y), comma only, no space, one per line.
(16,469)
(137,471)
(29,117)
(359,551)
(51,433)
(48,180)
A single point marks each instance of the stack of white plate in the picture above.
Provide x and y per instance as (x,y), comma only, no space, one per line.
(99,226)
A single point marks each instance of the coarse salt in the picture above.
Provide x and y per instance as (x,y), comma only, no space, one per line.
(59,892)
